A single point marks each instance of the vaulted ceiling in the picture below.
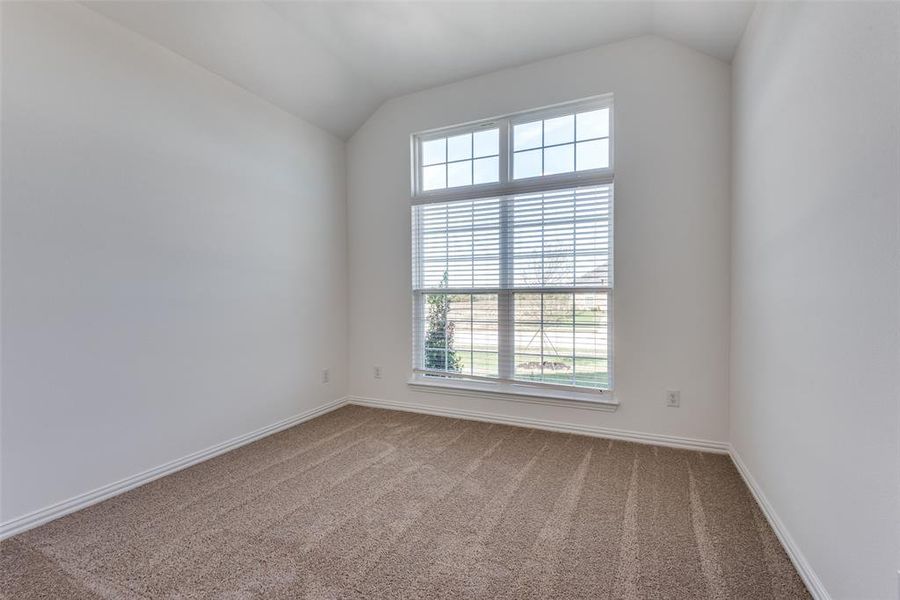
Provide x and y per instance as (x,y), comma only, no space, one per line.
(333,63)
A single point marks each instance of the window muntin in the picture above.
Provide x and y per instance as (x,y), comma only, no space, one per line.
(512,278)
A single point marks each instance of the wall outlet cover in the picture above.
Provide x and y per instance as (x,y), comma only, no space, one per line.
(673,398)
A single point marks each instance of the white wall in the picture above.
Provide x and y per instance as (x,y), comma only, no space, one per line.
(672,230)
(816,283)
(173,257)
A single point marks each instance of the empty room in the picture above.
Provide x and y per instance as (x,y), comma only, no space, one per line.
(522,300)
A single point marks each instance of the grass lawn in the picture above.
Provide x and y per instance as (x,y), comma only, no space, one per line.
(588,372)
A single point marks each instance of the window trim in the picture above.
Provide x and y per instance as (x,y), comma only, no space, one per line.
(506,185)
(503,387)
(536,393)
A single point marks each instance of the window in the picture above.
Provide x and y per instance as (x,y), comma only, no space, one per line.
(465,159)
(575,142)
(512,250)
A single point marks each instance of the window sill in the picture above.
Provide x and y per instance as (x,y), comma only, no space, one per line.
(516,393)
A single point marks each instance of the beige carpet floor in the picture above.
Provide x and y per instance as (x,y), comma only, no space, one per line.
(365,503)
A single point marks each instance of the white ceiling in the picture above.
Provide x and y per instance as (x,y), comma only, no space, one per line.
(333,63)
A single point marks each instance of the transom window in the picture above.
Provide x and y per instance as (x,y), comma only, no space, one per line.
(512,250)
(576,142)
(465,159)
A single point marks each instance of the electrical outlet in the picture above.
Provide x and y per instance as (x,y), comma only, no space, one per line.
(377,372)
(673,398)
(326,376)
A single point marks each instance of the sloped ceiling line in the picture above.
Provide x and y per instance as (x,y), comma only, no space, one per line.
(333,63)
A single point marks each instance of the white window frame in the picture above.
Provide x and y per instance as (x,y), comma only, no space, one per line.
(504,386)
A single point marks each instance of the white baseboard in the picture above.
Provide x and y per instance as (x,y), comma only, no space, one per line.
(591,430)
(60,509)
(809,577)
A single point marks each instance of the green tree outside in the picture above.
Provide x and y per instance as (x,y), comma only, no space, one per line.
(439,352)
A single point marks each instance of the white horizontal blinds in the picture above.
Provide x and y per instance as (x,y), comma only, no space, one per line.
(557,239)
(561,251)
(456,248)
(537,263)
(458,245)
(561,239)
